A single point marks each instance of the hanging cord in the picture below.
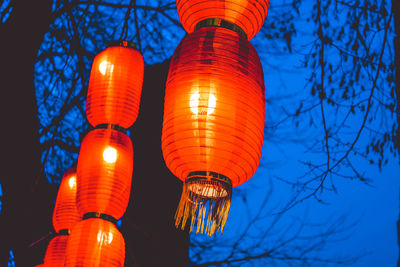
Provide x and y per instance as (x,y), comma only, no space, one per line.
(137,28)
(49,234)
(124,33)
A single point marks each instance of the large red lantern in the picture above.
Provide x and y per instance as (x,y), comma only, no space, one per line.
(65,213)
(213,122)
(246,15)
(115,85)
(95,242)
(104,172)
(55,253)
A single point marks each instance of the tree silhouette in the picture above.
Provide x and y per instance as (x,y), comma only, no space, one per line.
(353,95)
(20,162)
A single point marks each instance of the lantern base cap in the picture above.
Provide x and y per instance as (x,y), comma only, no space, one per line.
(206,198)
(94,215)
(111,126)
(218,22)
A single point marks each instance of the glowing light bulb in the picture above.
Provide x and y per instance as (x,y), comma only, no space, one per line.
(104,238)
(110,155)
(212,103)
(201,104)
(194,102)
(72,182)
(104,66)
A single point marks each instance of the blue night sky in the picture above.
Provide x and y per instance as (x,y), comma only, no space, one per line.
(363,215)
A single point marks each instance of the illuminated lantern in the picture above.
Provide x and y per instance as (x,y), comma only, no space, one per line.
(65,216)
(213,122)
(246,15)
(55,253)
(104,173)
(115,85)
(95,242)
(65,213)
(105,162)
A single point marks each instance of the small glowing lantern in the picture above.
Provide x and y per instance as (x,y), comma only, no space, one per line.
(95,242)
(55,253)
(65,213)
(246,15)
(213,122)
(65,216)
(115,85)
(104,172)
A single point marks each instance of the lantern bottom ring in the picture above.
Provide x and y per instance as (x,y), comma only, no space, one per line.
(206,198)
(111,126)
(205,183)
(106,217)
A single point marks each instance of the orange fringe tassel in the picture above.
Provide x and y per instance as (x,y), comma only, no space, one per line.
(207,201)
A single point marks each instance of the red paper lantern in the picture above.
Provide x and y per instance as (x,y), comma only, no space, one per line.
(104,172)
(115,86)
(55,253)
(213,122)
(65,213)
(95,242)
(249,15)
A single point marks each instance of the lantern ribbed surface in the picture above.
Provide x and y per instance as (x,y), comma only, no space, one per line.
(95,242)
(115,87)
(55,253)
(214,106)
(65,213)
(104,172)
(249,15)
(213,124)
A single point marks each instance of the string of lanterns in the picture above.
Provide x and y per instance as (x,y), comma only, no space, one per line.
(65,216)
(214,108)
(105,162)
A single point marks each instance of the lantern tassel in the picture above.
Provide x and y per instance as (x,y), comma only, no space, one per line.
(207,200)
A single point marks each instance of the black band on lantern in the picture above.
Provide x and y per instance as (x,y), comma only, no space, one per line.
(93,215)
(63,232)
(214,22)
(123,43)
(201,175)
(111,126)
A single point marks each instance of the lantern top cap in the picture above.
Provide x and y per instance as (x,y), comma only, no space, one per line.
(97,215)
(122,43)
(217,22)
(111,126)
